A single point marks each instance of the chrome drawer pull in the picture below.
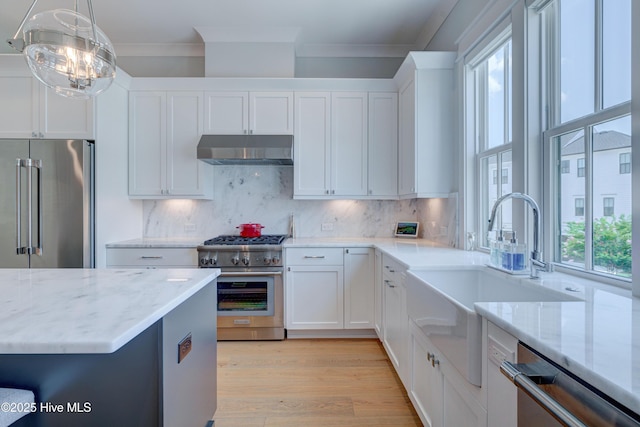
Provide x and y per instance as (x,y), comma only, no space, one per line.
(314,256)
(151,257)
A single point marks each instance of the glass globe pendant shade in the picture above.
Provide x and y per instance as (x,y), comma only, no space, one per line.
(69,54)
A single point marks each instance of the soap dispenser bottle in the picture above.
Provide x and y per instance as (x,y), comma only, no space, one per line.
(507,258)
(518,251)
(495,254)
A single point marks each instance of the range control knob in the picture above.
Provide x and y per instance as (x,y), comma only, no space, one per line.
(204,261)
(235,260)
(267,260)
(245,260)
(213,261)
(275,259)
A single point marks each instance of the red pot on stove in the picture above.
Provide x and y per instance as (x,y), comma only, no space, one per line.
(250,230)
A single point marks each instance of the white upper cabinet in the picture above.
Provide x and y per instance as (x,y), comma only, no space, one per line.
(312,139)
(346,145)
(31,110)
(164,130)
(383,145)
(349,144)
(238,113)
(426,93)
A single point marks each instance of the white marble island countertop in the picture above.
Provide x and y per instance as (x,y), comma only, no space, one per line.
(52,311)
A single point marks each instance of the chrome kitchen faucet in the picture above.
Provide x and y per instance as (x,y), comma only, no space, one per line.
(537,264)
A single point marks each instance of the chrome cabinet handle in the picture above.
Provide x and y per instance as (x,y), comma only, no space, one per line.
(314,256)
(151,257)
(388,283)
(548,403)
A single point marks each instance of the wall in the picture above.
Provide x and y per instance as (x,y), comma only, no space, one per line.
(263,194)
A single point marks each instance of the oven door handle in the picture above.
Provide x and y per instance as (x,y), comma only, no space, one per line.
(250,273)
(549,404)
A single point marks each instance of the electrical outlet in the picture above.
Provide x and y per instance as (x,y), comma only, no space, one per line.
(189,228)
(327,226)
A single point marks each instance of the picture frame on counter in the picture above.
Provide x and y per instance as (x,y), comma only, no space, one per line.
(407,229)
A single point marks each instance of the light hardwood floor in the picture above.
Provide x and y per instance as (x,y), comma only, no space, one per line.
(306,383)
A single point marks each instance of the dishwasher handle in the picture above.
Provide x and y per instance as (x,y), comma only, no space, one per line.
(523,382)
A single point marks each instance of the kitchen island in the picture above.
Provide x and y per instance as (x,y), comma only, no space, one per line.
(110,347)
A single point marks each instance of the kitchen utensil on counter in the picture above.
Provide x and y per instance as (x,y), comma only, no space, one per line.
(250,229)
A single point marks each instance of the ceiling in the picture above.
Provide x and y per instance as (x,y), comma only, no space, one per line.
(321,28)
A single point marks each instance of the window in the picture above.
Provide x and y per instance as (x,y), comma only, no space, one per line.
(579,204)
(505,176)
(565,166)
(489,75)
(587,95)
(625,163)
(607,206)
(581,167)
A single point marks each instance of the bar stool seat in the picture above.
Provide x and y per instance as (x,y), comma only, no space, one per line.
(14,404)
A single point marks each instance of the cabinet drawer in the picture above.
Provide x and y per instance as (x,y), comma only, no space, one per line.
(314,256)
(392,269)
(152,257)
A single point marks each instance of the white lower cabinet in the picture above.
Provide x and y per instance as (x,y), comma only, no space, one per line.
(329,288)
(440,395)
(502,395)
(315,296)
(394,313)
(149,257)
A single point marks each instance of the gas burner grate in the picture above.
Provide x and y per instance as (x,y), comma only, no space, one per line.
(265,239)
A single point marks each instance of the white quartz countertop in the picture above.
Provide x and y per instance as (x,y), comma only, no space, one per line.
(51,311)
(598,339)
(413,253)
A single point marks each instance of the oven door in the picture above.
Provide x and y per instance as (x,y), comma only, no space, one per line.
(246,295)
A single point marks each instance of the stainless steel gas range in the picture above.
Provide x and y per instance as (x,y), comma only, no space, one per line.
(250,289)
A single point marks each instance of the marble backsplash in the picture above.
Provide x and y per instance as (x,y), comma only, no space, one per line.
(263,194)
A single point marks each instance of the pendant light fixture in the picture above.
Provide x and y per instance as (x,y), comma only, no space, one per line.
(66,51)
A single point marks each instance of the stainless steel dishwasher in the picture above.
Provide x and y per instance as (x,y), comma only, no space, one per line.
(548,395)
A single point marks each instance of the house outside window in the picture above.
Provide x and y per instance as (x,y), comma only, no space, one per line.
(581,168)
(587,96)
(607,206)
(579,206)
(565,166)
(505,176)
(625,163)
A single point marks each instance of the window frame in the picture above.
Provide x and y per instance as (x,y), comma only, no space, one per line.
(551,167)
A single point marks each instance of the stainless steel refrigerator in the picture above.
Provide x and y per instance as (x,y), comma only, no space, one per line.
(46,204)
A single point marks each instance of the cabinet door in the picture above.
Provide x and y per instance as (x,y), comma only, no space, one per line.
(406,143)
(383,144)
(459,409)
(426,382)
(315,297)
(359,288)
(18,114)
(147,143)
(349,143)
(312,144)
(378,294)
(186,175)
(226,113)
(271,113)
(395,326)
(65,118)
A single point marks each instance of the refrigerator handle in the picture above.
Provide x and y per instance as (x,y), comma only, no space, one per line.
(18,206)
(38,165)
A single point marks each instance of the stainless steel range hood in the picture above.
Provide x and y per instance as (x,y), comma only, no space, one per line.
(246,149)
